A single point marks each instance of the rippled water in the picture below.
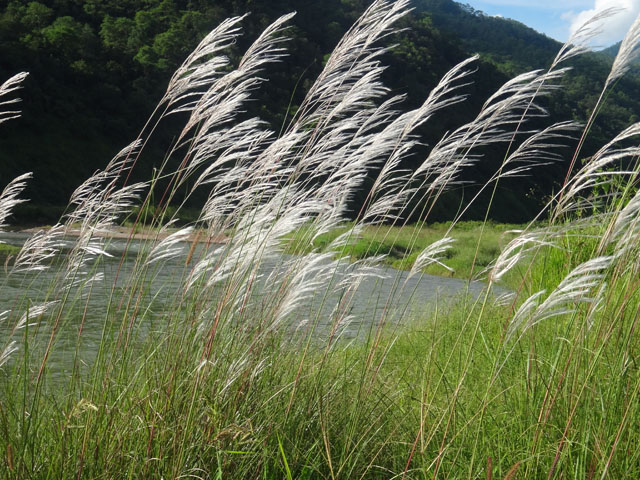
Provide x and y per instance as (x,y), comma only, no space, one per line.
(386,291)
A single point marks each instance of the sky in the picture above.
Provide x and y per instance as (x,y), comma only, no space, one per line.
(558,18)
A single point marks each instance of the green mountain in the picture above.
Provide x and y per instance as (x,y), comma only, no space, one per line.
(98,67)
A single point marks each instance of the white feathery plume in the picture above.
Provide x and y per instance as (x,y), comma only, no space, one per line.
(225,95)
(257,237)
(505,299)
(625,227)
(169,247)
(627,53)
(87,198)
(535,149)
(10,85)
(391,186)
(238,145)
(34,311)
(239,368)
(83,283)
(501,111)
(305,281)
(204,63)
(266,47)
(524,313)
(352,58)
(9,197)
(220,104)
(7,352)
(432,254)
(314,150)
(595,172)
(575,289)
(579,41)
(517,249)
(347,85)
(97,213)
(368,267)
(40,248)
(629,50)
(11,347)
(346,238)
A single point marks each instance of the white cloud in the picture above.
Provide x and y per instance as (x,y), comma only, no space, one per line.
(615,27)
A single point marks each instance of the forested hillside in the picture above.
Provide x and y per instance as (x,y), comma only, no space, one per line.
(98,67)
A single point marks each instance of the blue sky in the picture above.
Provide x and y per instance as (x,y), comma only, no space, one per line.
(558,18)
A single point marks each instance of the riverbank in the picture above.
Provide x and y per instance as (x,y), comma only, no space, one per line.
(475,245)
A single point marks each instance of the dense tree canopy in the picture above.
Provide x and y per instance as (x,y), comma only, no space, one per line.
(98,67)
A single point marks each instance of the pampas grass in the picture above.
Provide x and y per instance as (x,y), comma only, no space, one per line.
(251,363)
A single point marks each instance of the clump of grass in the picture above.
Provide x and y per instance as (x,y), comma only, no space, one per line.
(6,249)
(246,363)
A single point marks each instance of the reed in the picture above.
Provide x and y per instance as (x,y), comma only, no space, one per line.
(250,363)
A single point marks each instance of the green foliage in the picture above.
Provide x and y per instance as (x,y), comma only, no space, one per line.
(121,54)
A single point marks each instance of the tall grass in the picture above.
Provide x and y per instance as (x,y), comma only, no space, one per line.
(245,366)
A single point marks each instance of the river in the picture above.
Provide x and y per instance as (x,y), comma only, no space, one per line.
(400,296)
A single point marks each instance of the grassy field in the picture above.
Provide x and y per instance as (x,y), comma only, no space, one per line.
(476,245)
(243,366)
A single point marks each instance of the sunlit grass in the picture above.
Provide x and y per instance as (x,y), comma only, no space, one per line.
(477,244)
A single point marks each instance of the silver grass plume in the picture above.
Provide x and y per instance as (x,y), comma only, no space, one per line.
(307,150)
(575,289)
(433,254)
(224,96)
(579,41)
(220,104)
(39,249)
(343,92)
(503,110)
(100,218)
(392,187)
(627,53)
(9,197)
(305,280)
(204,63)
(629,50)
(169,247)
(97,204)
(6,353)
(518,249)
(625,228)
(10,85)
(354,55)
(87,200)
(256,238)
(537,149)
(34,311)
(11,347)
(595,172)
